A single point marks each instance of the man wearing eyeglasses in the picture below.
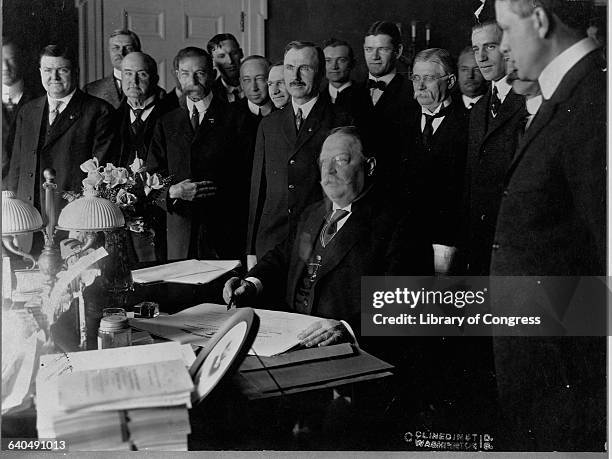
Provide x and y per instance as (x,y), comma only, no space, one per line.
(433,161)
(285,178)
(391,94)
(493,135)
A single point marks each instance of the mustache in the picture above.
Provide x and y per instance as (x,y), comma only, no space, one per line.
(297,83)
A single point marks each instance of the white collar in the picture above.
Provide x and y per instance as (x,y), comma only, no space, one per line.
(467,100)
(553,73)
(254,108)
(201,105)
(503,88)
(445,103)
(14,92)
(333,92)
(386,78)
(144,104)
(337,207)
(65,101)
(306,108)
(117,74)
(533,104)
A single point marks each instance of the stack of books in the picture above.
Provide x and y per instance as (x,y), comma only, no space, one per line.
(131,398)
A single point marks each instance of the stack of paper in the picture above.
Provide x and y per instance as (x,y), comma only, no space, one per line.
(185,272)
(117,399)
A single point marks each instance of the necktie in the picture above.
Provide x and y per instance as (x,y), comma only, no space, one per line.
(373,84)
(10,106)
(138,123)
(331,228)
(236,94)
(428,129)
(299,119)
(54,112)
(195,118)
(495,102)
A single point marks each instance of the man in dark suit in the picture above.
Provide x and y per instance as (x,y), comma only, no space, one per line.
(391,95)
(345,94)
(140,109)
(472,84)
(248,113)
(552,222)
(60,130)
(433,163)
(356,232)
(193,143)
(494,124)
(15,93)
(120,43)
(227,54)
(285,172)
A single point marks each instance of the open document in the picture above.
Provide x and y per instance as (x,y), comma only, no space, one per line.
(185,272)
(278,330)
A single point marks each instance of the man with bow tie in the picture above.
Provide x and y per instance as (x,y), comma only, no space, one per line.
(195,144)
(391,95)
(120,44)
(357,231)
(433,159)
(60,130)
(494,121)
(285,176)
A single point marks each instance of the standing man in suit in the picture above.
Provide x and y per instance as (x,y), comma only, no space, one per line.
(227,54)
(276,86)
(472,84)
(493,135)
(433,165)
(194,144)
(134,123)
(15,93)
(60,130)
(120,43)
(344,93)
(285,172)
(552,222)
(248,113)
(391,94)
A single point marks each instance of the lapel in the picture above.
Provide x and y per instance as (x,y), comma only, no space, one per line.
(66,119)
(479,117)
(576,75)
(211,118)
(35,121)
(311,124)
(512,104)
(288,126)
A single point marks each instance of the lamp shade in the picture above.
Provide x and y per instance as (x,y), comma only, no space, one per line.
(18,216)
(90,213)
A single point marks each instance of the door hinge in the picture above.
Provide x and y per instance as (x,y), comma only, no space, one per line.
(242,21)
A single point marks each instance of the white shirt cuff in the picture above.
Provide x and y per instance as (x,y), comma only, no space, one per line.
(256,282)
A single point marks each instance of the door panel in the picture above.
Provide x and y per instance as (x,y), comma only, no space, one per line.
(165,26)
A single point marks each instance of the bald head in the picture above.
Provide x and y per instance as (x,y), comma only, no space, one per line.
(138,76)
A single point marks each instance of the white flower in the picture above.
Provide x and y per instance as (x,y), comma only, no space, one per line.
(137,166)
(125,199)
(94,178)
(152,183)
(90,165)
(115,176)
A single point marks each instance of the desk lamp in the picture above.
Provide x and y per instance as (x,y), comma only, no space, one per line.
(18,217)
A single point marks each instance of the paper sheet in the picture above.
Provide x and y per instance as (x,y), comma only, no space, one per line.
(197,325)
(185,272)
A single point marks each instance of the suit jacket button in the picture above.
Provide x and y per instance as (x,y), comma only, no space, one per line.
(506,193)
(291,187)
(292,162)
(29,198)
(483,217)
(305,302)
(495,246)
(31,174)
(289,210)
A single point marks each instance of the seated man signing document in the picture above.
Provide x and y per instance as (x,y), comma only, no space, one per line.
(358,231)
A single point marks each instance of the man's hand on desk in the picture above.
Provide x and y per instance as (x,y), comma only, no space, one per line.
(240,291)
(188,190)
(324,333)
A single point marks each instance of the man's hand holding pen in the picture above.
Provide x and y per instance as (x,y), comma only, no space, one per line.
(239,292)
